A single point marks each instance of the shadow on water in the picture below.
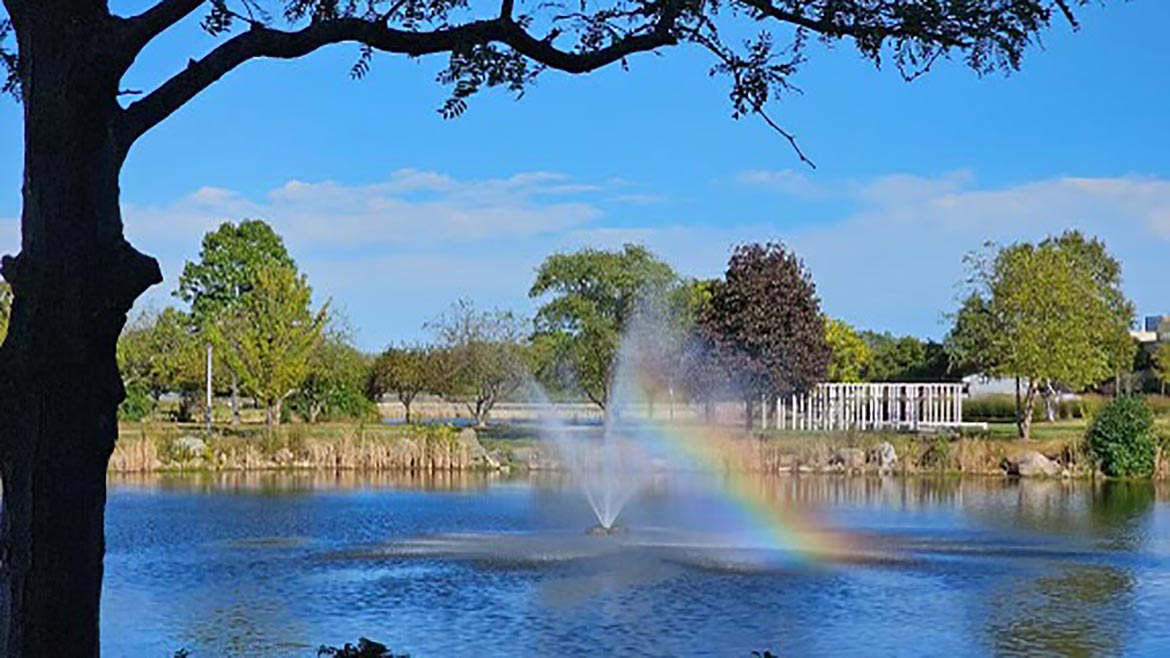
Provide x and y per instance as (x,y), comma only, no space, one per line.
(1081,610)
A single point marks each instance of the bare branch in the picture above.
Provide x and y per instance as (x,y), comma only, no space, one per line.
(260,41)
(149,24)
(787,135)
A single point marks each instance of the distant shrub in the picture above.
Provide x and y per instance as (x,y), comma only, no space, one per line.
(339,403)
(137,405)
(1002,409)
(1121,438)
(994,409)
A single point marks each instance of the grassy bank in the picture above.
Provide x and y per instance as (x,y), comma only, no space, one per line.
(163,447)
(160,447)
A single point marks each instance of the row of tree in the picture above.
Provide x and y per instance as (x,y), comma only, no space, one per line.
(250,313)
(756,333)
(1050,314)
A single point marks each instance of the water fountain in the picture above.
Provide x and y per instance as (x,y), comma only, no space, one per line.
(612,468)
(608,468)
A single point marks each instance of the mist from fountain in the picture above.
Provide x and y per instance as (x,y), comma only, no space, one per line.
(612,469)
(608,468)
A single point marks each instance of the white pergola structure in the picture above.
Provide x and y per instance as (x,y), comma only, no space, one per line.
(886,406)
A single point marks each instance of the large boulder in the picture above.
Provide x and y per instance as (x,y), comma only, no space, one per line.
(1033,464)
(189,447)
(884,456)
(469,443)
(849,459)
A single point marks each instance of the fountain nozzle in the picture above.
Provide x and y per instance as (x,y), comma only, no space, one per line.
(603,531)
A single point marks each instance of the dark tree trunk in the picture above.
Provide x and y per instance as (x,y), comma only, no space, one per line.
(74,281)
(749,410)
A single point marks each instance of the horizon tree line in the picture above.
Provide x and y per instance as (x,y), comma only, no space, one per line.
(752,335)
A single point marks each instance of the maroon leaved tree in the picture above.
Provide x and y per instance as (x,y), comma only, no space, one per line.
(764,319)
(76,276)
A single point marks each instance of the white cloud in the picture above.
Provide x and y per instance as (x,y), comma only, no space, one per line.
(396,252)
(786,181)
(896,260)
(412,206)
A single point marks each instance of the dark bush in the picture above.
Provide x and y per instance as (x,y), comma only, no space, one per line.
(1121,438)
(364,648)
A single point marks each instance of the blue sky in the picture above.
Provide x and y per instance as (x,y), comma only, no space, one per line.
(394,212)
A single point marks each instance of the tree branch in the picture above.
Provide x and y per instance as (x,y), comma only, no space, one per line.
(260,41)
(149,24)
(838,28)
(15,9)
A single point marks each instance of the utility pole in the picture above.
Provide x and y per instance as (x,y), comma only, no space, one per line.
(207,410)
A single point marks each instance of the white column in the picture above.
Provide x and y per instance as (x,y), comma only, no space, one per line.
(207,413)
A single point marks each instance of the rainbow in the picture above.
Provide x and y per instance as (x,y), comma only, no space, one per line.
(765,516)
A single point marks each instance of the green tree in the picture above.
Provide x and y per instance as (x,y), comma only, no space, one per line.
(215,285)
(1089,254)
(970,344)
(230,260)
(1049,319)
(160,353)
(407,372)
(764,320)
(904,359)
(270,337)
(334,388)
(1161,359)
(482,357)
(851,354)
(68,62)
(593,296)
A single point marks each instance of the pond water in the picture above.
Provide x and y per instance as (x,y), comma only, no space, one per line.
(462,565)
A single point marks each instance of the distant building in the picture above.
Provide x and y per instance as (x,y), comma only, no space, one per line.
(982,385)
(1144,337)
(1155,330)
(1159,325)
(977,386)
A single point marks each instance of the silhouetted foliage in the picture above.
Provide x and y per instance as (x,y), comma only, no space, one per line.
(365,648)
